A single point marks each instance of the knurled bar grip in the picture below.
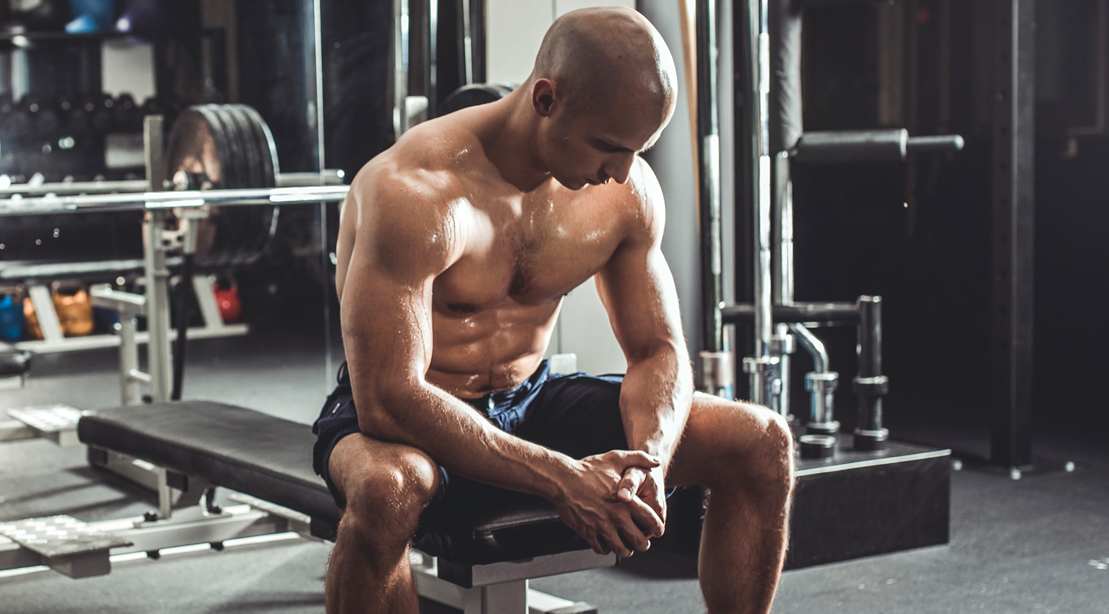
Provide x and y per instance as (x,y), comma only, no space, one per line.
(846,313)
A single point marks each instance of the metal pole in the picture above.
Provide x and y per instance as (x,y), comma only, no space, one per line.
(325,256)
(433,57)
(400,67)
(1013,205)
(763,366)
(712,284)
(870,384)
(763,303)
(467,45)
(130,388)
(157,275)
(784,129)
(782,344)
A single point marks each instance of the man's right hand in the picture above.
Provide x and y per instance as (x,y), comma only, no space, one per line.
(590,506)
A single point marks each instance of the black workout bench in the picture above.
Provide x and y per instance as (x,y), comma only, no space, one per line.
(483,558)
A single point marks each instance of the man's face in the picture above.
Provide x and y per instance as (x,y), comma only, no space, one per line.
(595,145)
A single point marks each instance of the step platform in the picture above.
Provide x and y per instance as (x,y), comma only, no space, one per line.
(58,423)
(853,505)
(65,544)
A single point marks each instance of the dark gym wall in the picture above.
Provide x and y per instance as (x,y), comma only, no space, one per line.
(919,234)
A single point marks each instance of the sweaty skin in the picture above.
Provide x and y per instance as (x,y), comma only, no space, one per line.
(455,249)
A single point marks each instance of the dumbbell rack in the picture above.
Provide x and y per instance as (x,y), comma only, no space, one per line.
(54,340)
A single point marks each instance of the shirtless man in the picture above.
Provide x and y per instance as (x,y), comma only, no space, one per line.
(456,247)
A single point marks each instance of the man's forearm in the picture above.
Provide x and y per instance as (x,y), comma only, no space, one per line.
(460,439)
(654,401)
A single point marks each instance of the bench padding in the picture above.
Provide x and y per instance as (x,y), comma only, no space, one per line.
(270,458)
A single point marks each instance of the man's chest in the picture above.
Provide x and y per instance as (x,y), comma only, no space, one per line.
(530,260)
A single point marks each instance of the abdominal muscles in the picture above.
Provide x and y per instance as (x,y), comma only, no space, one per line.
(479,350)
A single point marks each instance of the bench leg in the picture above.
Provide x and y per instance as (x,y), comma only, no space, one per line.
(505,598)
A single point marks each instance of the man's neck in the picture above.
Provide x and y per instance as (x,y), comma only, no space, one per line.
(511,146)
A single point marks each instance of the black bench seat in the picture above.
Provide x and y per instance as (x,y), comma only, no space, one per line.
(270,458)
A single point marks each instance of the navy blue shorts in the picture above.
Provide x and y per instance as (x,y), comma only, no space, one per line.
(578,415)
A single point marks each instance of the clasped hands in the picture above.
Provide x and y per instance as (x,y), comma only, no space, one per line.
(616,501)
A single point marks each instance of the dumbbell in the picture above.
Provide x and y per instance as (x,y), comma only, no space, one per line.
(101,113)
(127,116)
(17,122)
(44,117)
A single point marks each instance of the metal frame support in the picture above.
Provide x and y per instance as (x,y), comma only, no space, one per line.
(1013,206)
(502,588)
(157,274)
(129,306)
(45,313)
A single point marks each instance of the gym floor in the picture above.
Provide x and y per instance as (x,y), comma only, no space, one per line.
(1039,544)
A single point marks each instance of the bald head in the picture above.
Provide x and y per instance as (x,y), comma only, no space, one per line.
(594,54)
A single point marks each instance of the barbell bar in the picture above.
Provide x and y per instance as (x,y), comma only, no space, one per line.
(284,180)
(139,201)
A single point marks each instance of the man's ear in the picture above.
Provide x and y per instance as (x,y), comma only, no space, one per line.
(543,97)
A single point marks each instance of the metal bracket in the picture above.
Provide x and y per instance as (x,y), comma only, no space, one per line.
(503,587)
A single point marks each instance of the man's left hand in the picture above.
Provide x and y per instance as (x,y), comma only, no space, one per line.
(648,485)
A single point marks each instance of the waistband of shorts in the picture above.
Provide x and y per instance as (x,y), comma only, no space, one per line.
(499,401)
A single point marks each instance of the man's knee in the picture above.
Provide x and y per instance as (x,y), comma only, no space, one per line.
(774,453)
(766,459)
(386,499)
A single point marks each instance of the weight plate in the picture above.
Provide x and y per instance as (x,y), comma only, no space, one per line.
(252,127)
(264,163)
(193,161)
(246,162)
(473,95)
(265,142)
(226,223)
(222,144)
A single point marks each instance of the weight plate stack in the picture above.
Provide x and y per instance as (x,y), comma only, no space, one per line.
(215,146)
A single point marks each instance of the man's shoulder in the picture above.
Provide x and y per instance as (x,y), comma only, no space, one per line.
(404,203)
(421,169)
(643,201)
(412,174)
